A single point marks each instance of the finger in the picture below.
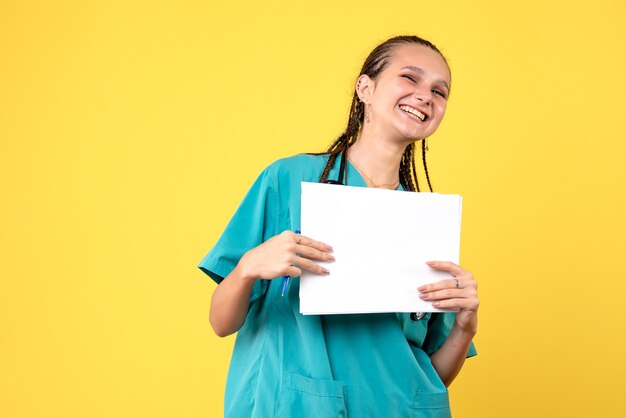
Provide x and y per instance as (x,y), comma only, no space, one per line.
(313,254)
(310,242)
(447,294)
(293,271)
(457,304)
(448,266)
(310,266)
(455,283)
(454,305)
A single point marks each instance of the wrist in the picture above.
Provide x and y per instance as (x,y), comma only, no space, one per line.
(467,332)
(243,274)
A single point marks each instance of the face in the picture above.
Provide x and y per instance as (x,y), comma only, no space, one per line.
(408,98)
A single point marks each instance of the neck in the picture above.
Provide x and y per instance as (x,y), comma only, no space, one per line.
(378,160)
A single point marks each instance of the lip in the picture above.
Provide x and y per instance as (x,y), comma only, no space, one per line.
(416,108)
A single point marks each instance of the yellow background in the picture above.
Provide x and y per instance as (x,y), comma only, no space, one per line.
(129,132)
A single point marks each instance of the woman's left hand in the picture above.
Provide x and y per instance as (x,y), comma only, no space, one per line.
(458,294)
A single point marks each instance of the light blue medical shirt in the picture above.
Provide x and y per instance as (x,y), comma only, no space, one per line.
(285,364)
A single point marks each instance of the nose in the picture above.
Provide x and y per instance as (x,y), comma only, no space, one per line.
(422,94)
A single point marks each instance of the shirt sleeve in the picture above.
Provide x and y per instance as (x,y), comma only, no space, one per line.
(439,326)
(254,222)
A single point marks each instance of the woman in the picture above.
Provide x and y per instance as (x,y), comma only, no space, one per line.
(285,364)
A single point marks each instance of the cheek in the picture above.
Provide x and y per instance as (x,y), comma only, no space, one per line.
(441,109)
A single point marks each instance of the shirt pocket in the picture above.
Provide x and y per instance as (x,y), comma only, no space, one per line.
(305,397)
(431,405)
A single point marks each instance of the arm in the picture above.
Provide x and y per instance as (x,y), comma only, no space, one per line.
(230,302)
(457,294)
(449,359)
(274,258)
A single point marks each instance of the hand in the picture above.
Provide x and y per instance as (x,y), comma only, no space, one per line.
(458,294)
(285,254)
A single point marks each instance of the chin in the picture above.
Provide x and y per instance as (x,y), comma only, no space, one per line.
(413,136)
(410,134)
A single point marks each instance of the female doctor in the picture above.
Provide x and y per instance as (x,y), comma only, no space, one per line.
(285,364)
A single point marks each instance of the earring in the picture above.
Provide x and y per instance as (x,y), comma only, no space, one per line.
(367,114)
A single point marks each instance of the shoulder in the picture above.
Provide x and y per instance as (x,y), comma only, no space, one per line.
(307,167)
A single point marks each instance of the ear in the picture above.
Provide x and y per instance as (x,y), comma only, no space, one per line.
(364,88)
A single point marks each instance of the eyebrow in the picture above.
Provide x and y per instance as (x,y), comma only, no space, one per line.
(421,71)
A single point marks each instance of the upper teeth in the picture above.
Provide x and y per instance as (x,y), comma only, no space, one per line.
(414,112)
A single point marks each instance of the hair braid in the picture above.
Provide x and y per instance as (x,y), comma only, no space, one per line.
(347,138)
(413,171)
(405,172)
(329,164)
(405,177)
(410,168)
(424,163)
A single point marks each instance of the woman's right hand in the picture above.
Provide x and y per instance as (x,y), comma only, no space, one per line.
(285,254)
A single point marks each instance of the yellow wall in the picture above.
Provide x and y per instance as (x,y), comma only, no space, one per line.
(129,131)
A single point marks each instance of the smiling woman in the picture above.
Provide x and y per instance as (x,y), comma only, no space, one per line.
(285,364)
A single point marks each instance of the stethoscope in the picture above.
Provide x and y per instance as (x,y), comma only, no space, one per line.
(415,316)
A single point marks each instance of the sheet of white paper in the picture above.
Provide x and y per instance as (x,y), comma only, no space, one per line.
(381,240)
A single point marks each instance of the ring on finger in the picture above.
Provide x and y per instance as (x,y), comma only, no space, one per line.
(299,239)
(457,285)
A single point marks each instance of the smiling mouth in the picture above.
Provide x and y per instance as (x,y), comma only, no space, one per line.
(413,112)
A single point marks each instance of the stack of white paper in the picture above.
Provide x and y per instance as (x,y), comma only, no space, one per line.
(381,241)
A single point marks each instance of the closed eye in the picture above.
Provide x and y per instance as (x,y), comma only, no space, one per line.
(439,93)
(409,77)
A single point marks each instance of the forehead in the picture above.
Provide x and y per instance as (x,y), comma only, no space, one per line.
(420,56)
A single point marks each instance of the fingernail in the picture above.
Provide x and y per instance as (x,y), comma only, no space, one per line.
(421,288)
(330,257)
(430,263)
(423,295)
(435,304)
(328,247)
(326,272)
